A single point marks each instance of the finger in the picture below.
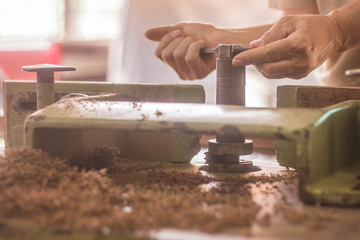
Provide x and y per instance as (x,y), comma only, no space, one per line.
(167,56)
(165,41)
(156,34)
(199,66)
(257,43)
(282,69)
(280,30)
(179,56)
(271,52)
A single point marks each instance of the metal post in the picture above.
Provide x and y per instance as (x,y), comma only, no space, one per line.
(230,80)
(230,143)
(45,82)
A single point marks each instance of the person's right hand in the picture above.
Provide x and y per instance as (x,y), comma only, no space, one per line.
(293,47)
(179,47)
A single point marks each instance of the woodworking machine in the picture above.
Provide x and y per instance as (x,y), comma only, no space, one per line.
(164,122)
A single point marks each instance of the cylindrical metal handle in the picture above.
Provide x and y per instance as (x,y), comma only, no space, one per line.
(230,83)
(230,80)
(45,82)
(353,72)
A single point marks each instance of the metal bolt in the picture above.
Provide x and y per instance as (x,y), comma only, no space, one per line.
(224,151)
(45,81)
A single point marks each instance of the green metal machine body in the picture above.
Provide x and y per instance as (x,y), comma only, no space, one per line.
(141,122)
(20,102)
(326,139)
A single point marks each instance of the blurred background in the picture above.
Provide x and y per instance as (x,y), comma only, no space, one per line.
(105,40)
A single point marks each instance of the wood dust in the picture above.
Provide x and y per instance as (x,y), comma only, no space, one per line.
(82,195)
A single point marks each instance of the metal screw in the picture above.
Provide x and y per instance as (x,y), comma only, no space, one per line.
(45,81)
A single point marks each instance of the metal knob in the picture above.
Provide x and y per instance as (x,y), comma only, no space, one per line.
(45,81)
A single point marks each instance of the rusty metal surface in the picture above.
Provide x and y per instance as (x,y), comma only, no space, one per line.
(327,149)
(192,118)
(20,99)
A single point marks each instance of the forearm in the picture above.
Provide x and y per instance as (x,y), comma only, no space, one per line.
(346,20)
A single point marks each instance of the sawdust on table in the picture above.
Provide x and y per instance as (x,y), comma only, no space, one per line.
(82,195)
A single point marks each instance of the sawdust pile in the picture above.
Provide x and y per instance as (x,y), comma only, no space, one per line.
(48,191)
(110,159)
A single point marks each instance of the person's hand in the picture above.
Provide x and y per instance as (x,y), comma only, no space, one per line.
(179,47)
(293,47)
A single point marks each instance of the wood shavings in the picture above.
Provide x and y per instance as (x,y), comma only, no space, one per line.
(48,191)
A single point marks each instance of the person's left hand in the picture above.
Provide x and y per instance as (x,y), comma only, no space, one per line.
(293,47)
(179,47)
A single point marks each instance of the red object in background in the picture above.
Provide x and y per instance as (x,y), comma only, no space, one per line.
(12,61)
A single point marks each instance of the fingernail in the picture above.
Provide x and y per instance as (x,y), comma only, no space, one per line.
(257,43)
(237,62)
(176,33)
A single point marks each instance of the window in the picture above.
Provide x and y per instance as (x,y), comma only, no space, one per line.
(35,19)
(93,19)
(60,20)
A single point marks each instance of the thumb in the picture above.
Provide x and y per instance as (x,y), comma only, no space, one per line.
(156,34)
